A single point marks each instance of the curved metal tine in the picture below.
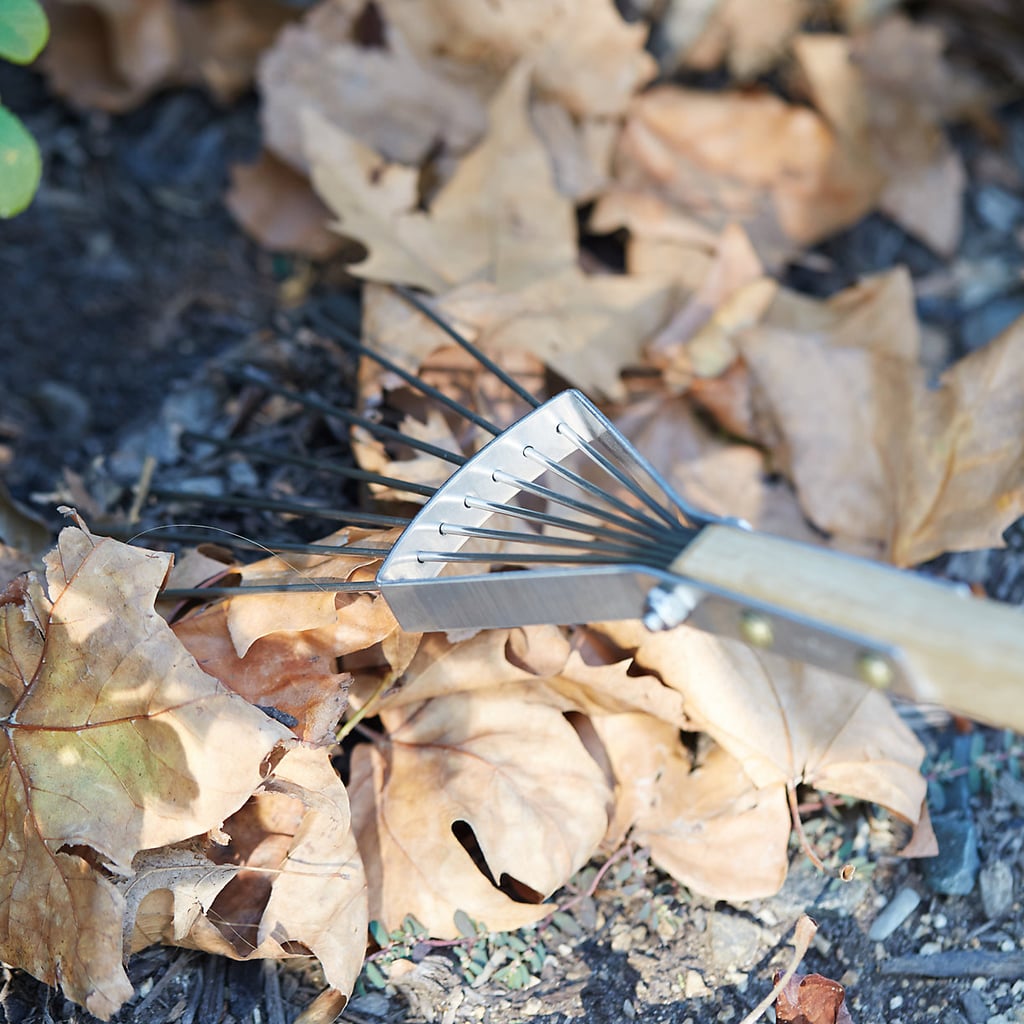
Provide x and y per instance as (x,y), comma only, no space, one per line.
(585,485)
(307,587)
(638,551)
(484,360)
(270,547)
(617,473)
(347,416)
(353,344)
(644,529)
(321,465)
(547,519)
(526,558)
(371,519)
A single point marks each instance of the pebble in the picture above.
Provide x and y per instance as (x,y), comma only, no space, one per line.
(974,1007)
(998,207)
(981,325)
(694,986)
(996,883)
(734,941)
(954,870)
(900,907)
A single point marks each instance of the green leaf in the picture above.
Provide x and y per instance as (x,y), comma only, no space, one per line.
(20,165)
(23,30)
(374,975)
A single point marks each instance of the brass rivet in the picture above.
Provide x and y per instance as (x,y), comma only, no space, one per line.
(756,629)
(875,670)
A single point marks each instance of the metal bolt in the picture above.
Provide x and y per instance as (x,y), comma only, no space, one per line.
(875,670)
(756,629)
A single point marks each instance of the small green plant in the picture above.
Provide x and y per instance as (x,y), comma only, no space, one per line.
(23,33)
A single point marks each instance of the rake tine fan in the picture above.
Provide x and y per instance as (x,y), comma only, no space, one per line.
(558,519)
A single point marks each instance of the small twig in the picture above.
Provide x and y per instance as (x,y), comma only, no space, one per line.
(385,684)
(798,826)
(142,489)
(802,935)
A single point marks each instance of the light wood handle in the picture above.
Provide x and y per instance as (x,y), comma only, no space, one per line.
(956,650)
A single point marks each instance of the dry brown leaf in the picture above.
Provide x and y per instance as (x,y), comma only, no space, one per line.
(399,103)
(499,218)
(291,675)
(662,240)
(116,742)
(709,826)
(812,999)
(750,36)
(506,773)
(887,94)
(278,208)
(962,481)
(775,168)
(586,57)
(112,55)
(836,381)
(289,883)
(787,723)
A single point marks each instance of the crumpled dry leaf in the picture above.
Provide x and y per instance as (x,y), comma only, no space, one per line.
(399,102)
(479,767)
(278,207)
(252,616)
(887,94)
(708,825)
(586,57)
(773,167)
(962,481)
(116,742)
(812,999)
(113,55)
(500,216)
(289,882)
(834,382)
(787,723)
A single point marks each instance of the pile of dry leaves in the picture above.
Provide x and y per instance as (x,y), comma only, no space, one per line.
(151,790)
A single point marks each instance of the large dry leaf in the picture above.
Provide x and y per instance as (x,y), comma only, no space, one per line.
(288,883)
(538,663)
(115,742)
(886,95)
(586,57)
(962,482)
(775,168)
(708,825)
(836,381)
(787,723)
(499,218)
(396,101)
(510,773)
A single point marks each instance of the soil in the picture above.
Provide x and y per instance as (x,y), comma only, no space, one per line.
(130,296)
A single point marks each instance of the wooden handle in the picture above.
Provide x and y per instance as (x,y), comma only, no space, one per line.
(956,650)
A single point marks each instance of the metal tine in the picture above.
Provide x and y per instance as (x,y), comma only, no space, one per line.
(526,558)
(547,540)
(327,584)
(349,341)
(484,360)
(350,472)
(647,527)
(547,519)
(372,519)
(585,485)
(271,547)
(380,430)
(623,478)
